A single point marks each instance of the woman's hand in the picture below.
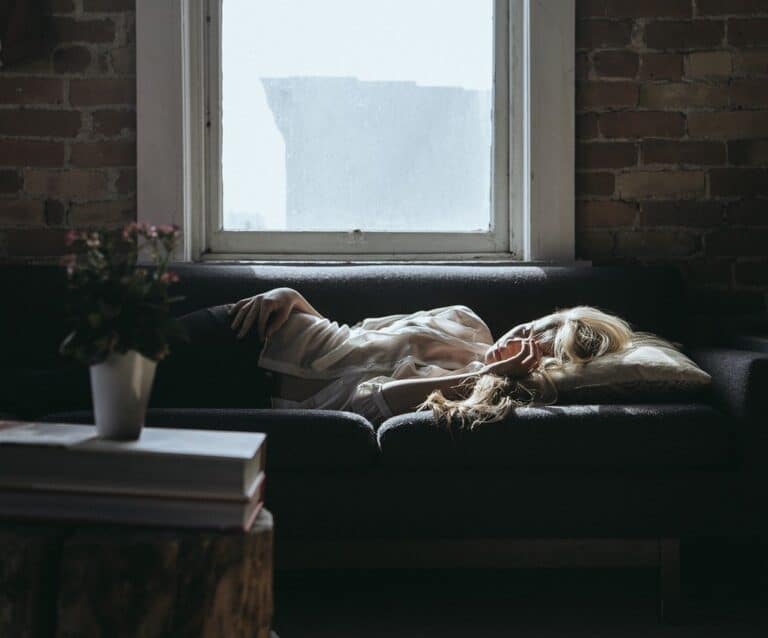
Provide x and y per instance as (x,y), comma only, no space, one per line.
(516,358)
(504,348)
(270,309)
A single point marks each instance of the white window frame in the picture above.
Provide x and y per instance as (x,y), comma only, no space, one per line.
(533,186)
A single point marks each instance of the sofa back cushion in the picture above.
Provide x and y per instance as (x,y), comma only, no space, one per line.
(649,297)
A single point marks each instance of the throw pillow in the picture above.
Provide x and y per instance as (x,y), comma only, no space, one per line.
(651,370)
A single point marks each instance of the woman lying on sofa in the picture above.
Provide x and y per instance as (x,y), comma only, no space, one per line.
(443,359)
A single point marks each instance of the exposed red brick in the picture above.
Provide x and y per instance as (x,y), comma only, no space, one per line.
(103,213)
(35,242)
(79,30)
(683,152)
(604,213)
(21,212)
(96,92)
(754,62)
(594,245)
(650,9)
(126,181)
(728,125)
(582,66)
(664,244)
(594,184)
(39,123)
(55,212)
(70,183)
(27,91)
(616,64)
(598,34)
(661,66)
(679,36)
(606,155)
(661,184)
(59,6)
(590,9)
(748,33)
(586,126)
(681,213)
(748,152)
(752,273)
(107,6)
(111,153)
(600,95)
(123,60)
(738,182)
(749,93)
(10,181)
(111,123)
(637,124)
(682,96)
(730,7)
(31,153)
(74,59)
(709,64)
(737,242)
(748,212)
(130,29)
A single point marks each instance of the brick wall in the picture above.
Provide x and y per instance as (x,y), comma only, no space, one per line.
(68,129)
(672,139)
(672,127)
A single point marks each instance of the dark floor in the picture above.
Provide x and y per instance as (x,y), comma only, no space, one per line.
(724,596)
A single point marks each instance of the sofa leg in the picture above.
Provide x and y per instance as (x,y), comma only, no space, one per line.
(669,597)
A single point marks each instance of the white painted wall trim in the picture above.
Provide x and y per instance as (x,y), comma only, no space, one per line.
(172,114)
(170,117)
(548,161)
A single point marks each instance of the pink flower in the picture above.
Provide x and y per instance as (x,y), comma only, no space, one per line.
(151,232)
(130,230)
(71,237)
(70,263)
(169,277)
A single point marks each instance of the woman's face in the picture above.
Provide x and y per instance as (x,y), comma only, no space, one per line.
(542,331)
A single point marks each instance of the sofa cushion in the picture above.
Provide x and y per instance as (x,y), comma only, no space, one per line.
(31,392)
(599,436)
(296,439)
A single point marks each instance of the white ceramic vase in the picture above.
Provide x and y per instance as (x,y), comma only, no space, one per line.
(120,387)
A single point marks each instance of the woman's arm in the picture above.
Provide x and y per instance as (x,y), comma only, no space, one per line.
(405,395)
(270,310)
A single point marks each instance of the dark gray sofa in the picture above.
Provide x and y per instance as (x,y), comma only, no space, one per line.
(647,470)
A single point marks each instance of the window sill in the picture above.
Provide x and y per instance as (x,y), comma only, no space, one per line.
(379,260)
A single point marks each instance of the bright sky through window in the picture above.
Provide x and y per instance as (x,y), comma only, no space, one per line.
(344,114)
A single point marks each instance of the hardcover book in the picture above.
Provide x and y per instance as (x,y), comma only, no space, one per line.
(163,462)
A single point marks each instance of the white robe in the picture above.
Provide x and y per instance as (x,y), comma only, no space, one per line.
(362,358)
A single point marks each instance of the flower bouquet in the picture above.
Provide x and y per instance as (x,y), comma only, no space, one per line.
(120,318)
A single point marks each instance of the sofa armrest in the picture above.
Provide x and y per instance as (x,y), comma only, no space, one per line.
(739,379)
(740,389)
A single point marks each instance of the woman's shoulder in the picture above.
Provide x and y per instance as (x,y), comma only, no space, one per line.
(458,310)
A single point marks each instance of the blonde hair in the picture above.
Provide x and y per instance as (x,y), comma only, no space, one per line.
(577,335)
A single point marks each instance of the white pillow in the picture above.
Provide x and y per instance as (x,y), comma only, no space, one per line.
(651,370)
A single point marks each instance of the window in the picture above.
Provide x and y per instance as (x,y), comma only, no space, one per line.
(356,129)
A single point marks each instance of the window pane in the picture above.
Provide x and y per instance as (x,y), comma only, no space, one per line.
(357,114)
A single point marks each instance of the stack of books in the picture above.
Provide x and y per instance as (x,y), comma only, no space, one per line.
(169,477)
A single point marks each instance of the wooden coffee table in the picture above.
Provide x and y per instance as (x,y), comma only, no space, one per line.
(63,579)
